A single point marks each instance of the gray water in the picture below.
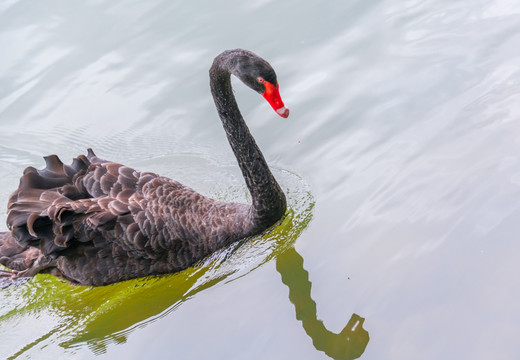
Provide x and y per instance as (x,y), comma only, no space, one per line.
(400,161)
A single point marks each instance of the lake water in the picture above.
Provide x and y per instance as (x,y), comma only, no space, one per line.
(400,160)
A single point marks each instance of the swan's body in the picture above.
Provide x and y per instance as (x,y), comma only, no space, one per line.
(96,222)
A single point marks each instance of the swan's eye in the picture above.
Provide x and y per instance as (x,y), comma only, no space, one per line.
(261,80)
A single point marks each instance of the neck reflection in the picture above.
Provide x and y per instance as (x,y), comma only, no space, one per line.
(350,343)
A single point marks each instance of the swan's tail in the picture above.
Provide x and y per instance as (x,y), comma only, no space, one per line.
(20,259)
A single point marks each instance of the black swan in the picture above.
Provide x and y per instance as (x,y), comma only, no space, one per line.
(95,222)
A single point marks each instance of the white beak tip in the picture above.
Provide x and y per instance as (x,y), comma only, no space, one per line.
(283,112)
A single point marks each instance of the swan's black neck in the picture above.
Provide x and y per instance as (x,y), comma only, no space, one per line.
(268,200)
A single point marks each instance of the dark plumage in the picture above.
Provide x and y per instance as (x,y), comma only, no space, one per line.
(96,222)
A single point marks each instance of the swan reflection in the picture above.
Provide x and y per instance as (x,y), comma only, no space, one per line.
(349,344)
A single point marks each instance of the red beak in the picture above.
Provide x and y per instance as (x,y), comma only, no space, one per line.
(272,95)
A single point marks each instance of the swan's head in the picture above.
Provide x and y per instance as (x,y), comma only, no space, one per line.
(258,74)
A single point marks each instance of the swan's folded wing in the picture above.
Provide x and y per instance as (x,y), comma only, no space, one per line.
(60,205)
(54,222)
(107,179)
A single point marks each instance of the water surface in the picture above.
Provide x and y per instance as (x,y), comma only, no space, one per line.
(400,161)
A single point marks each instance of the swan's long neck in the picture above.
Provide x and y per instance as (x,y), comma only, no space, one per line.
(268,200)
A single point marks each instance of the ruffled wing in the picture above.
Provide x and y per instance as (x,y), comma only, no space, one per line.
(62,205)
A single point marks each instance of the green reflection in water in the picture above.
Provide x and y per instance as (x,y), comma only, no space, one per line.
(350,343)
(97,317)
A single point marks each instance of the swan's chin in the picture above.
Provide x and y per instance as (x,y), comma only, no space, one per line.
(283,112)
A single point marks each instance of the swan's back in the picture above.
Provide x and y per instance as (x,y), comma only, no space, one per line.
(97,222)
